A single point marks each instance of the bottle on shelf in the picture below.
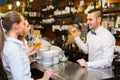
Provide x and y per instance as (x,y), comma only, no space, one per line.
(112,24)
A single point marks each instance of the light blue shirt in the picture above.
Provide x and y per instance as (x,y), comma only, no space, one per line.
(15,61)
(100,48)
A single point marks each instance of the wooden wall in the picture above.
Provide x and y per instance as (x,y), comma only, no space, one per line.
(114,1)
(3,9)
(37,4)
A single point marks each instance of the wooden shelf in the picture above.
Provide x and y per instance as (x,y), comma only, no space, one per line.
(49,11)
(64,16)
(34,18)
(111,10)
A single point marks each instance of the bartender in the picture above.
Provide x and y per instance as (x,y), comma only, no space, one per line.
(99,44)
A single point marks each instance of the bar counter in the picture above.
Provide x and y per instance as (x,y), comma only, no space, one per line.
(72,71)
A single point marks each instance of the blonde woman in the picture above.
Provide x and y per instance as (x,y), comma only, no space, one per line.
(15,61)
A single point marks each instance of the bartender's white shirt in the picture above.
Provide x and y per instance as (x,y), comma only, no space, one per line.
(100,48)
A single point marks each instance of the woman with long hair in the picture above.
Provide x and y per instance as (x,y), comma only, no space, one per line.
(15,61)
(3,75)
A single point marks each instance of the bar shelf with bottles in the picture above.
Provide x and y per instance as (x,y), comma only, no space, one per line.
(65,11)
(64,16)
(109,22)
(111,10)
(54,14)
(108,6)
(48,9)
(32,14)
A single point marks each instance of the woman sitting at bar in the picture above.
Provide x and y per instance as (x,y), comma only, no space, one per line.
(15,61)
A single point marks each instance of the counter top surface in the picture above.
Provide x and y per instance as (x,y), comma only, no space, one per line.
(72,71)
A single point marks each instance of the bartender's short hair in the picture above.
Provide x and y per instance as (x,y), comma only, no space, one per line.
(98,11)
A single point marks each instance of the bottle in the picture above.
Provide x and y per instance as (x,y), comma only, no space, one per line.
(100,4)
(111,24)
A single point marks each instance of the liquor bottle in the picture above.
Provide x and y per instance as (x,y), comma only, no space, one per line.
(112,24)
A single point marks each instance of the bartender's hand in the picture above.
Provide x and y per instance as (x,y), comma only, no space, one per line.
(70,39)
(75,32)
(82,62)
(48,73)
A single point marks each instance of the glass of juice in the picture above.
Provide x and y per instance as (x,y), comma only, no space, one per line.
(37,43)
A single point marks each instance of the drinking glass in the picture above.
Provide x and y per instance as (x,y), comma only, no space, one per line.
(37,44)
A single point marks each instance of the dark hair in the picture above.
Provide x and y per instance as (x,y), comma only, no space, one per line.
(99,14)
(3,75)
(10,18)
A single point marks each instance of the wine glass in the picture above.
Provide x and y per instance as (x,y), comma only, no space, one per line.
(37,44)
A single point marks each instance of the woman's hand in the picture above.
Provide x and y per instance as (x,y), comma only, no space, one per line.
(32,50)
(48,73)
